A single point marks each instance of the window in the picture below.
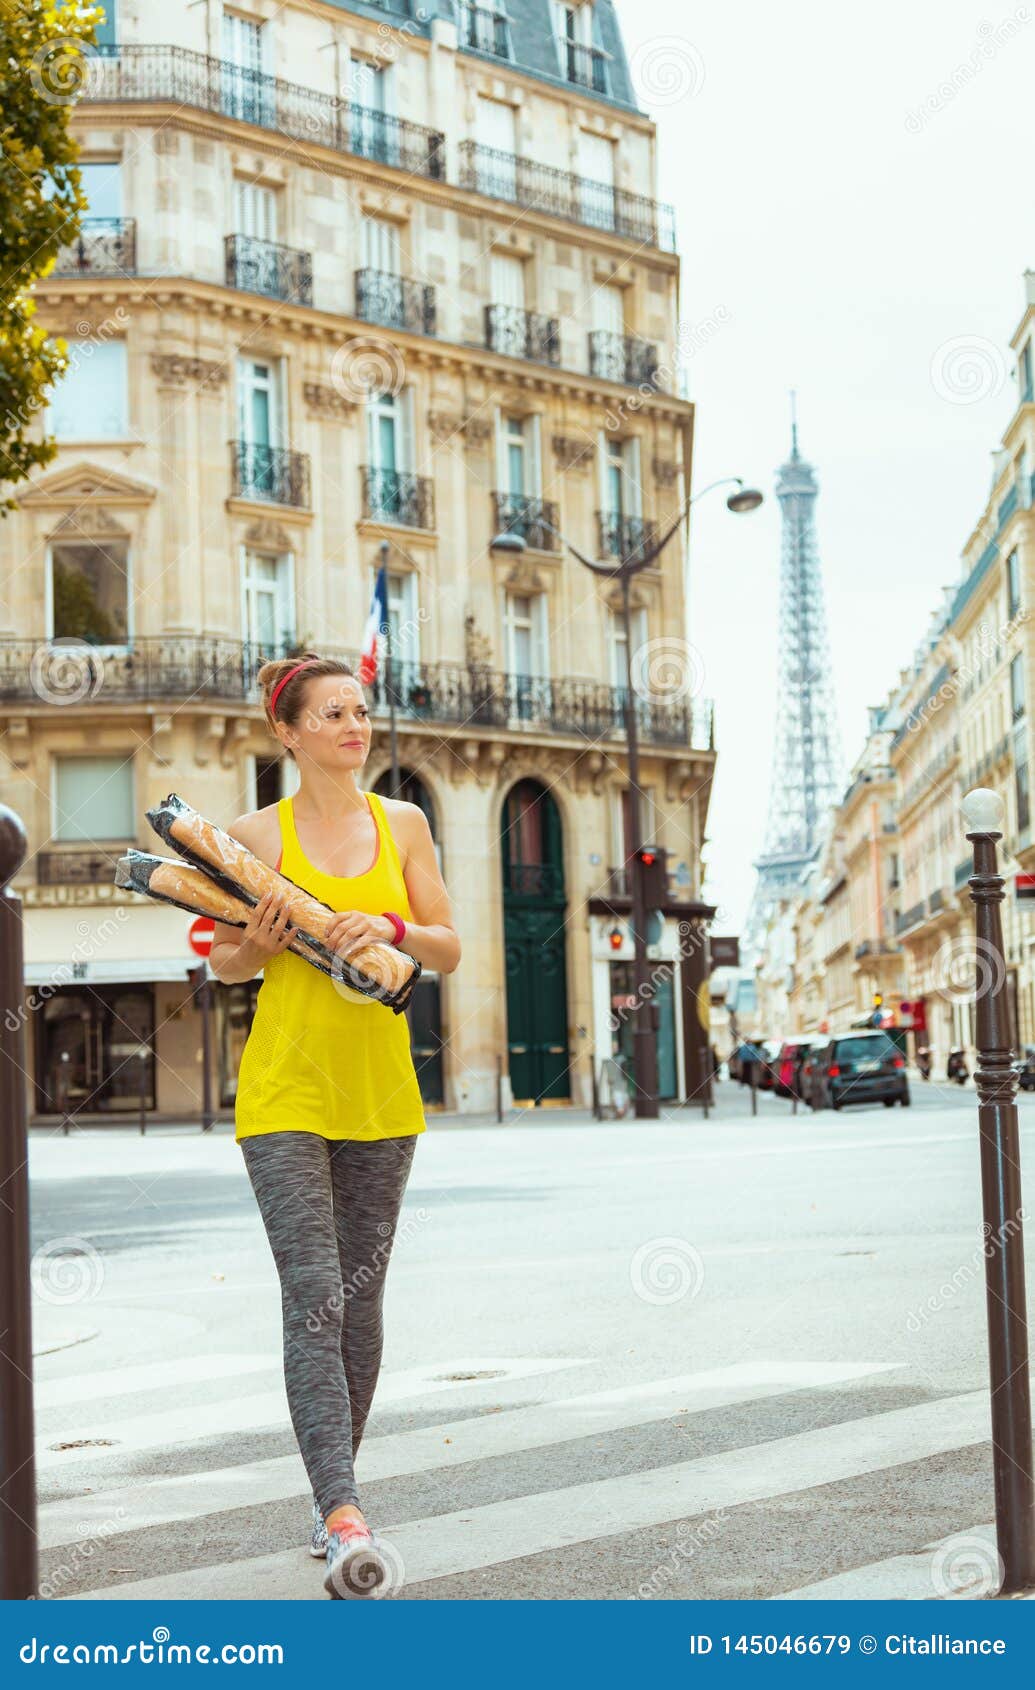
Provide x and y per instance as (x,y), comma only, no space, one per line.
(381,246)
(1022,783)
(1024,373)
(373,132)
(1013,585)
(596,166)
(525,634)
(247,92)
(1017,686)
(89,591)
(107,30)
(268,601)
(90,401)
(496,136)
(255,210)
(404,628)
(638,621)
(93,798)
(258,408)
(102,185)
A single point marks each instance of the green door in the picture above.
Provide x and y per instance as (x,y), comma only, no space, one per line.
(534,931)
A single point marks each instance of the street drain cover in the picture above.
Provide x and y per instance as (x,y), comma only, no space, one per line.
(83,1443)
(486,1373)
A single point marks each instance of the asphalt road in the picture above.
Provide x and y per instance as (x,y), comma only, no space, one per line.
(647,1360)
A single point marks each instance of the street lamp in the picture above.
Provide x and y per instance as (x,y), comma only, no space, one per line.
(641,556)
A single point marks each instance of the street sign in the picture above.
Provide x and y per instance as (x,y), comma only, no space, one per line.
(1024,885)
(724,950)
(200,935)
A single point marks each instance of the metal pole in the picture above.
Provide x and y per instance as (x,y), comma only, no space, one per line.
(499,1087)
(754,1094)
(393,739)
(645,1056)
(19,1564)
(205,1004)
(1001,1202)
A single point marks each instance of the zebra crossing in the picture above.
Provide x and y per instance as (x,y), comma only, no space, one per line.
(485,1494)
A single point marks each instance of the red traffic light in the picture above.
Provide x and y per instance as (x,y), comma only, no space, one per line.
(647,857)
(616,938)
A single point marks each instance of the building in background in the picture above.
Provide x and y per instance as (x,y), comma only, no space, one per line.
(357,275)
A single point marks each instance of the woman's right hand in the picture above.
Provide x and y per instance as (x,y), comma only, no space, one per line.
(269,931)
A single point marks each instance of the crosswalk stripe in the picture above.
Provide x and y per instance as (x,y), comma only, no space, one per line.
(148,1376)
(447,1544)
(189,1422)
(913,1577)
(426,1449)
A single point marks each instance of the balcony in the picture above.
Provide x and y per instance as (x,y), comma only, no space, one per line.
(484,31)
(171,667)
(533,519)
(395,302)
(106,246)
(624,536)
(621,357)
(584,65)
(522,334)
(278,272)
(539,187)
(177,76)
(962,873)
(389,495)
(911,917)
(876,948)
(269,472)
(75,868)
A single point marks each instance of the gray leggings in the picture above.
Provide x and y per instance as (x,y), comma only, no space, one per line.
(330,1208)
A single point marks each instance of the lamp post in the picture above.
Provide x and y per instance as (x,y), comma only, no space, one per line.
(641,556)
(393,738)
(1003,1215)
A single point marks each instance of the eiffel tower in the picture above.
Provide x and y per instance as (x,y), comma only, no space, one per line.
(806,771)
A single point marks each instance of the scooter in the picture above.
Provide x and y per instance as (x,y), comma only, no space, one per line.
(956,1067)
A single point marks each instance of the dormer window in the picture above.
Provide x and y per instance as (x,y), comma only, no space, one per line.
(581,62)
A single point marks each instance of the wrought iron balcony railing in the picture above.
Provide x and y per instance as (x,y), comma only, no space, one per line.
(584,65)
(622,357)
(539,187)
(395,302)
(484,30)
(185,669)
(522,334)
(533,519)
(390,495)
(106,246)
(911,917)
(624,536)
(185,78)
(279,272)
(269,472)
(75,868)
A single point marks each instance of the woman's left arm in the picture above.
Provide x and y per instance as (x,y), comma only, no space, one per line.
(430,936)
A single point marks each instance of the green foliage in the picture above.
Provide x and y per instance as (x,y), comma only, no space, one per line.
(43,68)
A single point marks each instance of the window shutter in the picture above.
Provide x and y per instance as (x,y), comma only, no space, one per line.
(603,444)
(502,468)
(632,477)
(405,442)
(535,447)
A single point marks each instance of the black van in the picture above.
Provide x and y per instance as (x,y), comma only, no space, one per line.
(861,1068)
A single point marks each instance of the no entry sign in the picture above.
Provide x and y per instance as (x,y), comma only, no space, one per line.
(202,932)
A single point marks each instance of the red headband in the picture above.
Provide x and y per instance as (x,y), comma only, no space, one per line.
(282,683)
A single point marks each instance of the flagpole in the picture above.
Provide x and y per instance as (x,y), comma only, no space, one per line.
(393,737)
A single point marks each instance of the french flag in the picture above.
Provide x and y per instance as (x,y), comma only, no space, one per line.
(376,621)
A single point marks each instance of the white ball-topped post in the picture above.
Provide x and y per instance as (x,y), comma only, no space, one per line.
(1012,1463)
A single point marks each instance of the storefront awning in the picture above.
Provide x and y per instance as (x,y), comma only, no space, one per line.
(106,944)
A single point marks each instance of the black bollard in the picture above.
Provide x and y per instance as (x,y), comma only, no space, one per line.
(1001,1200)
(19,1563)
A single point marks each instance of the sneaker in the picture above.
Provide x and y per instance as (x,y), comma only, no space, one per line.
(318,1546)
(354,1563)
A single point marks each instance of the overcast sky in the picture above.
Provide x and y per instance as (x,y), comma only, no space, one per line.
(854,194)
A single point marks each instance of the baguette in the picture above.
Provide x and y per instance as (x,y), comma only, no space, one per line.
(379,971)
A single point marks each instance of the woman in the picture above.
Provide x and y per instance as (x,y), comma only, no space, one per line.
(328,1106)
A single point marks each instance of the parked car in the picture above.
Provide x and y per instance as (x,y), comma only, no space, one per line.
(788,1076)
(1024,1068)
(861,1068)
(809,1078)
(770,1065)
(741,1060)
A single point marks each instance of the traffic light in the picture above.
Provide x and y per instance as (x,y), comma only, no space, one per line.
(650,865)
(616,938)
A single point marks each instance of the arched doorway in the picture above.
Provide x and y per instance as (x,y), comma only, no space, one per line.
(534,934)
(424,1011)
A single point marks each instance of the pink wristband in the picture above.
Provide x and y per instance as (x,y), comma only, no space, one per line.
(398,923)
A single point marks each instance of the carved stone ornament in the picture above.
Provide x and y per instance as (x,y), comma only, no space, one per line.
(445,425)
(173,367)
(665,472)
(573,454)
(326,401)
(90,521)
(525,578)
(268,536)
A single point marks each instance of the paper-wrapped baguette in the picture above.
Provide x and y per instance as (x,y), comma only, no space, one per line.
(379,971)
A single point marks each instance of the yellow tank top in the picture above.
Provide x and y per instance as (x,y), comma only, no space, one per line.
(315,1060)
